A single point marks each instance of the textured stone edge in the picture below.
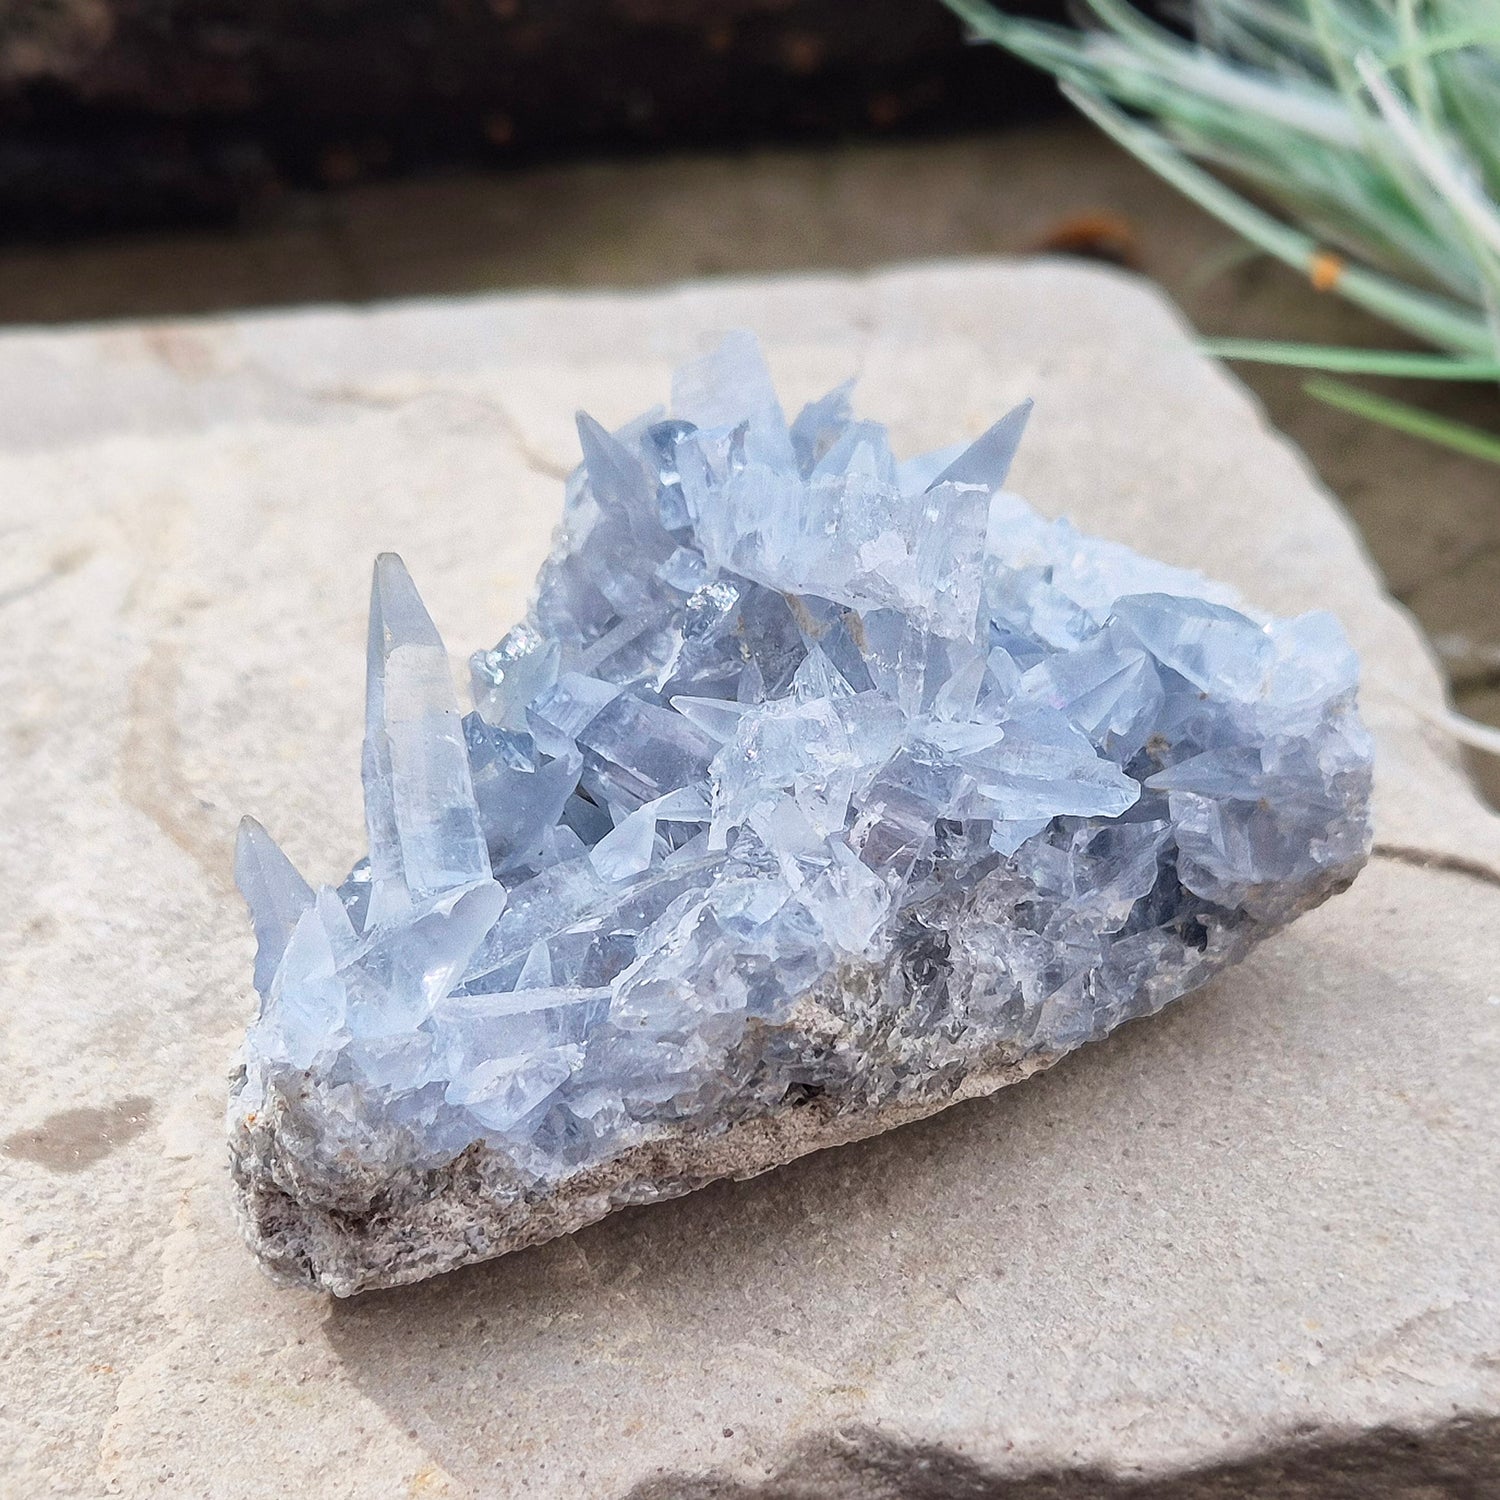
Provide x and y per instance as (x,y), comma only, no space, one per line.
(457,1222)
(1458,1456)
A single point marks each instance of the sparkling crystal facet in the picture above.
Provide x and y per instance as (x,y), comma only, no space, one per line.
(810,774)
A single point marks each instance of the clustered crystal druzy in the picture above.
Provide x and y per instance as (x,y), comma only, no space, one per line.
(786,710)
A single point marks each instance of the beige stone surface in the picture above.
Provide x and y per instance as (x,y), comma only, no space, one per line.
(1266,1219)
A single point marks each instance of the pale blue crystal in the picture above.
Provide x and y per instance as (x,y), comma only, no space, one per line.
(419,796)
(791,730)
(277,896)
(986,462)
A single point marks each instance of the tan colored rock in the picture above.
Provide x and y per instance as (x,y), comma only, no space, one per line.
(1267,1219)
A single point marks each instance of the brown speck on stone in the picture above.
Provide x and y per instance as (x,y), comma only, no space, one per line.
(73,1139)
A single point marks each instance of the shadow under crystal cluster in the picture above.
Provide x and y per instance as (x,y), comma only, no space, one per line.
(815,784)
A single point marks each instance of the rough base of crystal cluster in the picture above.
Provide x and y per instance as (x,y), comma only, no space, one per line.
(816,792)
(411,1225)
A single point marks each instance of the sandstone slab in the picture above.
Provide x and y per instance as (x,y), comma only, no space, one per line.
(1249,1243)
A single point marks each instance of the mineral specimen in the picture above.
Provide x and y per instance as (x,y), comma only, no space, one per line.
(816,791)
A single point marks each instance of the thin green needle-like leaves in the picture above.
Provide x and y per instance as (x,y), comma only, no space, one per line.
(1340,361)
(1357,141)
(1475,442)
(1436,319)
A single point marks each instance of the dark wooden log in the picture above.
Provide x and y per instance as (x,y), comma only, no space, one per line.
(116,113)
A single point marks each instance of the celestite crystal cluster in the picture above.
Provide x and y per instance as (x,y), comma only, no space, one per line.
(816,791)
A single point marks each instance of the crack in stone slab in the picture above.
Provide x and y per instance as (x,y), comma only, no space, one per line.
(151,775)
(1459,1458)
(1436,859)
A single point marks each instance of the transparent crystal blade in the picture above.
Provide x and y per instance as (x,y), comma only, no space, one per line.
(986,461)
(420,812)
(275,893)
(730,385)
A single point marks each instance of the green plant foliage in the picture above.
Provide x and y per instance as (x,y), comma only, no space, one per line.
(1459,436)
(1356,140)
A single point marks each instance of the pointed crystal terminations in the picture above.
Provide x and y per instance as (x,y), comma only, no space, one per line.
(813,781)
(420,811)
(352,974)
(275,893)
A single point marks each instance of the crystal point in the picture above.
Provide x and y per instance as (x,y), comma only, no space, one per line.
(986,461)
(812,781)
(275,893)
(420,810)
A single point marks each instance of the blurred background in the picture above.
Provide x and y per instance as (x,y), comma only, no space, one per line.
(173,158)
(143,113)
